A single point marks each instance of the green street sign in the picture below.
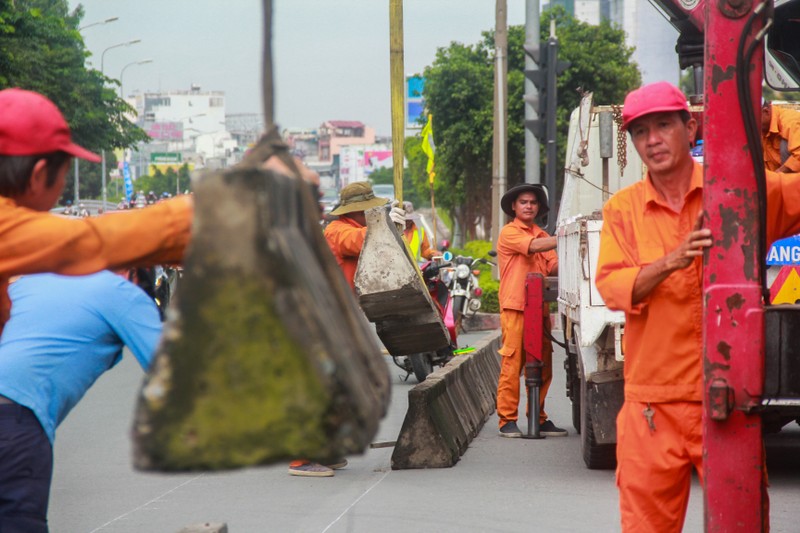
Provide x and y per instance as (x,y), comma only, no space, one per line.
(165,157)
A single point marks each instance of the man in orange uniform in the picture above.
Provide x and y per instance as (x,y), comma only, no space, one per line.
(780,138)
(650,266)
(35,152)
(522,247)
(346,235)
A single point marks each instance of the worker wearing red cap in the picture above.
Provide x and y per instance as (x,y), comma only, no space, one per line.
(35,151)
(650,267)
(522,247)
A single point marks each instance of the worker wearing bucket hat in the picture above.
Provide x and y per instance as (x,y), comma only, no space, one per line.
(346,235)
(522,247)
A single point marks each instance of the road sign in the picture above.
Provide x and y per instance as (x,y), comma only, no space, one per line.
(785,251)
(166,157)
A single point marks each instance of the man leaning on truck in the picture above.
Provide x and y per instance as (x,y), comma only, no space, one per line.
(650,267)
(522,247)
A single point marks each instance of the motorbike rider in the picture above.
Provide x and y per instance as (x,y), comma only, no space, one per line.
(522,247)
(416,237)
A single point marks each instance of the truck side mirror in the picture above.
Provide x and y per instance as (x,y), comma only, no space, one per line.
(782,48)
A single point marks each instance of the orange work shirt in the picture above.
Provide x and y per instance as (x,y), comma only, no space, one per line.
(515,262)
(663,340)
(785,124)
(345,238)
(32,241)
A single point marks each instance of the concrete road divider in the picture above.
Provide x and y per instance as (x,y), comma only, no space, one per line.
(448,409)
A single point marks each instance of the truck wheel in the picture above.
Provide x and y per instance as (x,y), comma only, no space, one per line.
(596,456)
(421,364)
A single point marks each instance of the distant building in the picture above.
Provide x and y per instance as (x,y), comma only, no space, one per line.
(645,27)
(303,142)
(187,122)
(334,134)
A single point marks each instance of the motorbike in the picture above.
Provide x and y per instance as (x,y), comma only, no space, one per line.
(462,283)
(421,364)
(159,282)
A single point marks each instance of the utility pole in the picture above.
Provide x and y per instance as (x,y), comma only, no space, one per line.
(545,57)
(532,37)
(500,133)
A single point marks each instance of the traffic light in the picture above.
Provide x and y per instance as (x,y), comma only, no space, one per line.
(543,127)
(537,100)
(545,56)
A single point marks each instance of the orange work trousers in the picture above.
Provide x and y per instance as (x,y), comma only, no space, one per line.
(513,362)
(654,463)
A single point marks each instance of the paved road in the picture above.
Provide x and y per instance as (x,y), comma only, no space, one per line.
(500,485)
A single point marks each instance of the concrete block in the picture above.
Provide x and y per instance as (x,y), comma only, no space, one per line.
(392,293)
(448,409)
(265,355)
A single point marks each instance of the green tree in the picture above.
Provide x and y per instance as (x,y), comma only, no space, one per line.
(41,50)
(459,94)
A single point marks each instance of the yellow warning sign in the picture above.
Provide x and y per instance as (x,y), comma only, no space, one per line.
(789,291)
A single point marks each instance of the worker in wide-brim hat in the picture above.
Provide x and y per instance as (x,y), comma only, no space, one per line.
(346,235)
(507,201)
(358,196)
(523,247)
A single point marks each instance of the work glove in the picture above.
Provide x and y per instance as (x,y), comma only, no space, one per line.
(397,214)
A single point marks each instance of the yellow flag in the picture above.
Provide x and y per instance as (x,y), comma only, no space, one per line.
(429,147)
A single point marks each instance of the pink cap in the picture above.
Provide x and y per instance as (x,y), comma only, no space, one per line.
(30,124)
(653,98)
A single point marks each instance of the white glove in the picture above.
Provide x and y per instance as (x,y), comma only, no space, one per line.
(397,214)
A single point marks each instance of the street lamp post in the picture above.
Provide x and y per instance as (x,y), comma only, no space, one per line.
(77,166)
(98,23)
(103,151)
(122,73)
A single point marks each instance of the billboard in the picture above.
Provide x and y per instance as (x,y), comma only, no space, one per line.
(166,131)
(415,103)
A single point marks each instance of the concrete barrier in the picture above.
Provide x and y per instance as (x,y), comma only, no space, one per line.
(448,409)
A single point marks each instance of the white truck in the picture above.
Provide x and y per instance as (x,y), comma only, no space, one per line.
(600,161)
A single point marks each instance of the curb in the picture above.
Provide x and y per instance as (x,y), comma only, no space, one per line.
(448,409)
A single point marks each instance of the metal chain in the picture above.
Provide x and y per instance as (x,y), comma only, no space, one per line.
(622,139)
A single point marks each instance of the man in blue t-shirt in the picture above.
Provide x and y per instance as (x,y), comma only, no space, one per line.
(64,332)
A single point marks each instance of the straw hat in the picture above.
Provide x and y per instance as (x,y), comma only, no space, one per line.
(358,196)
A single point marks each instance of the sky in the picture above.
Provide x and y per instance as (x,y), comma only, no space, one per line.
(331,57)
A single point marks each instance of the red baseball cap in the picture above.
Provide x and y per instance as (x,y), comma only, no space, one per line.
(30,124)
(653,98)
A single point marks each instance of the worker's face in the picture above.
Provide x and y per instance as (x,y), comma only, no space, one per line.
(358,216)
(526,207)
(39,196)
(766,117)
(662,140)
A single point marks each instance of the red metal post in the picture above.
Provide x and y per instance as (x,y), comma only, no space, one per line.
(532,337)
(733,355)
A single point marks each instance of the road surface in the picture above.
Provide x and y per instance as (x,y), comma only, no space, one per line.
(500,485)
